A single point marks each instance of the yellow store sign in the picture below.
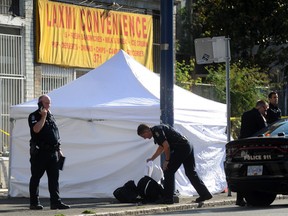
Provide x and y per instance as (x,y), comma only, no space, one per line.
(86,37)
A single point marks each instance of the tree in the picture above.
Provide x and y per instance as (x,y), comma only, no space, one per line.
(183,74)
(247,85)
(258,30)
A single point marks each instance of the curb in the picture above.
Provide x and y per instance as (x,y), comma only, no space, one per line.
(163,208)
(171,208)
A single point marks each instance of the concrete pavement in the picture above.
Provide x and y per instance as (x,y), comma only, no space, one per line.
(105,207)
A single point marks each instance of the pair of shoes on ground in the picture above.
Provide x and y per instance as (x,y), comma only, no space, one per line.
(59,206)
(203,198)
(53,206)
(241,203)
(36,207)
(165,201)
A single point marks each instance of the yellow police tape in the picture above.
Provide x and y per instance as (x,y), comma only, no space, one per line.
(238,118)
(231,119)
(6,133)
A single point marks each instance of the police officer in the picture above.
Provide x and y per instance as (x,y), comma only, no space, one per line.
(252,121)
(44,154)
(274,112)
(177,151)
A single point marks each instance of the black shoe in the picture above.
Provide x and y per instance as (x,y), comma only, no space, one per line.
(164,201)
(36,207)
(203,198)
(59,206)
(241,203)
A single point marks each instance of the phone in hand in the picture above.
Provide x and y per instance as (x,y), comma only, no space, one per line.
(40,106)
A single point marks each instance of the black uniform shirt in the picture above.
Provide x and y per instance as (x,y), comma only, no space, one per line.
(165,132)
(49,134)
(273,114)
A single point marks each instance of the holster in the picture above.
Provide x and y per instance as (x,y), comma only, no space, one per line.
(34,149)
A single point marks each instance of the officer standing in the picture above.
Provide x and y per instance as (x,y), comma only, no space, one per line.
(274,112)
(44,154)
(177,151)
(252,121)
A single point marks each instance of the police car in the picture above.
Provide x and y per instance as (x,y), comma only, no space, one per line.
(258,166)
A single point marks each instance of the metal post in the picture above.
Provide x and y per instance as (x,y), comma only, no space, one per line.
(167,63)
(227,46)
(228,104)
(1,133)
(285,99)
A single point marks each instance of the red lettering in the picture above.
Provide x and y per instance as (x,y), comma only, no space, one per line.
(89,21)
(102,23)
(82,15)
(115,24)
(138,24)
(132,29)
(144,27)
(47,12)
(96,21)
(109,26)
(61,24)
(125,25)
(70,18)
(54,15)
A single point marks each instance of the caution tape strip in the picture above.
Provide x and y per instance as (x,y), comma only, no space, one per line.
(238,118)
(6,133)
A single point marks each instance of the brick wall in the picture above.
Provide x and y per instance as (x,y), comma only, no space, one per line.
(29,51)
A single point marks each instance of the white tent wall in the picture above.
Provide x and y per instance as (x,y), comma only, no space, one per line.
(208,143)
(97,116)
(110,155)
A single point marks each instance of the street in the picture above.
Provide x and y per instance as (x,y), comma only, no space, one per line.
(278,207)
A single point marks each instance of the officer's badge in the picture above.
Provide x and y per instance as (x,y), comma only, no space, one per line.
(33,119)
(156,134)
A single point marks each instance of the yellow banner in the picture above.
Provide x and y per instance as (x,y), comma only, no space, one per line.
(76,36)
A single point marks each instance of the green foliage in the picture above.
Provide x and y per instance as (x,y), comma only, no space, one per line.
(59,215)
(88,212)
(258,29)
(247,85)
(183,74)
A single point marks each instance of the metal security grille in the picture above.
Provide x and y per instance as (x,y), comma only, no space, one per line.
(54,77)
(5,6)
(11,82)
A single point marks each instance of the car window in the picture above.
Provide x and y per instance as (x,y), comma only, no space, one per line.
(274,129)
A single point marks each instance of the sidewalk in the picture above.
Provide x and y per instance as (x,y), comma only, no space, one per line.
(103,207)
(106,207)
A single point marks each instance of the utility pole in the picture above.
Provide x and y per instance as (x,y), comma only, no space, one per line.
(167,62)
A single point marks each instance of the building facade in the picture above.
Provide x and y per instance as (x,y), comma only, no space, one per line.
(21,77)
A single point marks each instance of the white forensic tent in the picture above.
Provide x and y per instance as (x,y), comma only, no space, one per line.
(98,115)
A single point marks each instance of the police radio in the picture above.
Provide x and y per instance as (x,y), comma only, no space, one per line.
(40,106)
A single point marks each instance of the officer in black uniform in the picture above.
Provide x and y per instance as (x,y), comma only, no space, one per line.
(274,112)
(177,151)
(44,154)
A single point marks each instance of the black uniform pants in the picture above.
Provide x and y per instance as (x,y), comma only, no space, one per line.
(41,162)
(183,155)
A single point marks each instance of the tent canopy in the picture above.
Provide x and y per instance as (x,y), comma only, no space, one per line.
(98,114)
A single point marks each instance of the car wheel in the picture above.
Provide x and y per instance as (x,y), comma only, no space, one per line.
(257,198)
